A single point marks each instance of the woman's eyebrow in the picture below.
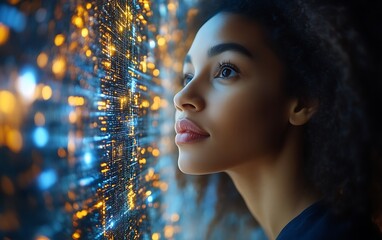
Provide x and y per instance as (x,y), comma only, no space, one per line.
(223,47)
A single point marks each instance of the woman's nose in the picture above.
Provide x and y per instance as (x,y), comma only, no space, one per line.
(189,99)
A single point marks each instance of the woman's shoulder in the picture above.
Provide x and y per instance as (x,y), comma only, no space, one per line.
(318,222)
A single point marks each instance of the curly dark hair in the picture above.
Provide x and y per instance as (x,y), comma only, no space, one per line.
(332,54)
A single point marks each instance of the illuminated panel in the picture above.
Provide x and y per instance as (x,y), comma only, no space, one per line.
(79,120)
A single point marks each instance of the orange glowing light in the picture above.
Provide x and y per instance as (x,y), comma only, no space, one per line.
(150,65)
(156,72)
(7,102)
(99,204)
(142,161)
(4,34)
(59,39)
(155,152)
(175,217)
(88,53)
(76,101)
(163,187)
(88,6)
(41,237)
(145,103)
(14,140)
(171,7)
(148,193)
(155,236)
(46,92)
(72,117)
(161,41)
(39,119)
(76,235)
(7,185)
(61,152)
(81,214)
(169,231)
(59,67)
(143,66)
(42,60)
(13,1)
(84,32)
(77,21)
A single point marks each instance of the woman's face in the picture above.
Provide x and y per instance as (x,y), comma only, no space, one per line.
(232,108)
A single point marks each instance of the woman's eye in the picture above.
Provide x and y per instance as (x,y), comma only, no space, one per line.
(187,78)
(227,71)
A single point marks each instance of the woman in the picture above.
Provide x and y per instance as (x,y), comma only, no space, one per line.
(281,95)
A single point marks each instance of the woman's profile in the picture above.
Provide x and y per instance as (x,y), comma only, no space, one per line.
(283,97)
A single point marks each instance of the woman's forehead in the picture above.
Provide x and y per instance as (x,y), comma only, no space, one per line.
(226,28)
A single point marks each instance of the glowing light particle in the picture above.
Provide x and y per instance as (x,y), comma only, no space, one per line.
(7,185)
(40,136)
(26,84)
(150,65)
(84,32)
(77,21)
(4,34)
(169,231)
(161,41)
(171,7)
(39,119)
(156,73)
(46,92)
(41,237)
(59,39)
(88,53)
(155,152)
(175,217)
(152,43)
(42,60)
(61,152)
(76,235)
(46,179)
(88,158)
(13,1)
(14,140)
(59,67)
(155,236)
(76,101)
(150,199)
(7,102)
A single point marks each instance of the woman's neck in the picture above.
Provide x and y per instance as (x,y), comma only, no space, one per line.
(273,187)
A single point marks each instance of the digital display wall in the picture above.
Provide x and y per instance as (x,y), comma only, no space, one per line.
(86,125)
(80,102)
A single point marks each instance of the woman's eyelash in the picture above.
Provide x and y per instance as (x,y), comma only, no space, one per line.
(228,64)
(187,78)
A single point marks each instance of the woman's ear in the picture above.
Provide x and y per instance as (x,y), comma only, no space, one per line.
(301,111)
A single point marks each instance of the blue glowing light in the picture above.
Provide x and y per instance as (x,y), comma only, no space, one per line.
(88,158)
(47,179)
(40,136)
(12,17)
(152,43)
(27,83)
(150,199)
(85,181)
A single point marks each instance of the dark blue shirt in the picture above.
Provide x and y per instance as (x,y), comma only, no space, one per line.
(317,222)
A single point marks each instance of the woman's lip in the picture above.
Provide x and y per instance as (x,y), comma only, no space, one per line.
(188,132)
(187,126)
